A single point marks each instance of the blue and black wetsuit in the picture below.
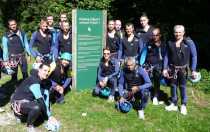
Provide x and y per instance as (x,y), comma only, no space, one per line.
(130,49)
(109,71)
(42,46)
(177,59)
(137,77)
(14,45)
(59,77)
(154,64)
(145,36)
(30,100)
(114,45)
(63,45)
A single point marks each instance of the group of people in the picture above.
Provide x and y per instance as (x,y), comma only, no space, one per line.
(135,62)
(50,78)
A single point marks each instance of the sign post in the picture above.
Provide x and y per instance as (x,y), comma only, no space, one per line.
(88,36)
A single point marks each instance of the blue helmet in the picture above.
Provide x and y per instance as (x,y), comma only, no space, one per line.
(124,107)
(66,56)
(105,92)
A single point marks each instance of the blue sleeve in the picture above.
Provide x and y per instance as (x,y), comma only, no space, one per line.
(66,83)
(5,48)
(120,51)
(99,73)
(147,81)
(47,102)
(56,46)
(25,40)
(193,53)
(141,45)
(121,84)
(117,67)
(165,60)
(35,89)
(34,53)
(54,84)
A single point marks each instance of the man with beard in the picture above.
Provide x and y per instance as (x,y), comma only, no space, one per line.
(112,40)
(15,46)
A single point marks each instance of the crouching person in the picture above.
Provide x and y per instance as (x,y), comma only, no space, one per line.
(107,75)
(134,86)
(30,100)
(59,77)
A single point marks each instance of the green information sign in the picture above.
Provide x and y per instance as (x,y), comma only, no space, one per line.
(89,28)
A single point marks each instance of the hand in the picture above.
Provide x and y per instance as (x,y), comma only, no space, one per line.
(59,89)
(194,73)
(165,73)
(135,89)
(52,119)
(102,84)
(38,59)
(122,99)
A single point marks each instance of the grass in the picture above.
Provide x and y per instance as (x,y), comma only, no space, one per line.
(103,117)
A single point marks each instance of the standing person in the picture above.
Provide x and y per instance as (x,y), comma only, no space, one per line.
(118,27)
(112,40)
(107,74)
(30,100)
(64,40)
(41,44)
(15,46)
(178,55)
(135,81)
(51,28)
(145,32)
(131,46)
(63,18)
(154,62)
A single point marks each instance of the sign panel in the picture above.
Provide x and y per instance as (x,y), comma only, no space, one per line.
(89,30)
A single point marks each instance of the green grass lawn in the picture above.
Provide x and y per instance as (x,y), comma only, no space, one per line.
(103,117)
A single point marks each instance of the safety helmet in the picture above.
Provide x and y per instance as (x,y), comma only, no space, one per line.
(124,106)
(66,56)
(196,78)
(105,92)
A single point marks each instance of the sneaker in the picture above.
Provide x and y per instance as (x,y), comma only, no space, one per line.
(141,114)
(155,101)
(1,110)
(31,129)
(171,107)
(183,110)
(111,98)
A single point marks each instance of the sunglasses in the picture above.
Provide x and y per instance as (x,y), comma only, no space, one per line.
(106,53)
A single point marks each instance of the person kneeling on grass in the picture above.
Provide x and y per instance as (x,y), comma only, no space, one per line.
(107,74)
(59,78)
(134,84)
(31,101)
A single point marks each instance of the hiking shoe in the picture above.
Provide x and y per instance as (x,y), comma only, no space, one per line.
(155,101)
(141,114)
(171,107)
(183,110)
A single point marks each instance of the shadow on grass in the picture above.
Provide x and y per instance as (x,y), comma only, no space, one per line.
(6,91)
